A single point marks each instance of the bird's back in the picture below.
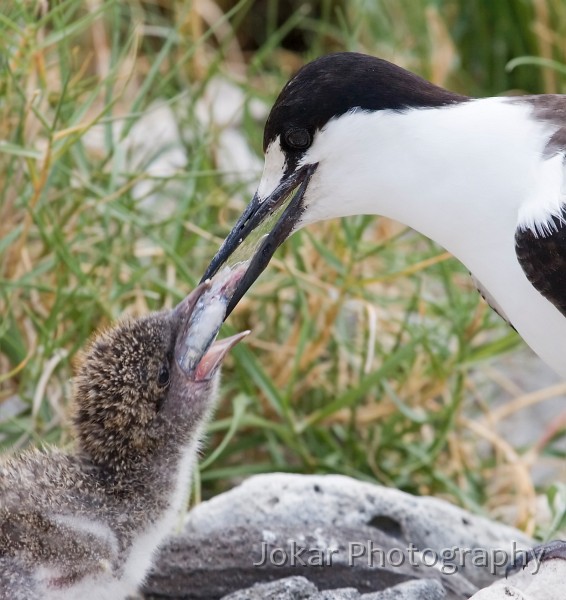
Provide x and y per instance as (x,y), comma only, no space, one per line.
(52,530)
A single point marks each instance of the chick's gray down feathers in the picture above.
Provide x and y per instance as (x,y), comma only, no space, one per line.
(86,523)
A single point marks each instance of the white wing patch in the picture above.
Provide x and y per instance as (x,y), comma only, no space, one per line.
(547,200)
(97,529)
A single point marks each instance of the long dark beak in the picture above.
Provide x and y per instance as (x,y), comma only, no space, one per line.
(256,213)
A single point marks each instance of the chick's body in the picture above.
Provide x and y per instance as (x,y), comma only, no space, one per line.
(86,524)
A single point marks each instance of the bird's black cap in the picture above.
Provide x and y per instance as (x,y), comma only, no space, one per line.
(332,85)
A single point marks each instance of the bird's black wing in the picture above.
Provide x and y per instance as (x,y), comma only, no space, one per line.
(541,247)
(543,259)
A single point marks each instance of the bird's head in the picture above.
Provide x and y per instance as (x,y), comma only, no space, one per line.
(312,140)
(149,383)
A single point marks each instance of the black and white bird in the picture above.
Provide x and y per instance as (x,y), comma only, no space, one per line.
(352,134)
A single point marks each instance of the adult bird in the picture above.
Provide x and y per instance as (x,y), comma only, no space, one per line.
(353,134)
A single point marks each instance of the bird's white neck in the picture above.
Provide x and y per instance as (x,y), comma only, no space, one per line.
(465,175)
(445,171)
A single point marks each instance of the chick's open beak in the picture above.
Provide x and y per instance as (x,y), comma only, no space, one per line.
(198,318)
(257,212)
(213,358)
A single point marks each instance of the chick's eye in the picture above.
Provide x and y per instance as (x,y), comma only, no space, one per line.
(163,377)
(298,138)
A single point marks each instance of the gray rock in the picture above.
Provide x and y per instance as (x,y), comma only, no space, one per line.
(544,583)
(338,533)
(341,594)
(299,588)
(290,588)
(199,566)
(424,589)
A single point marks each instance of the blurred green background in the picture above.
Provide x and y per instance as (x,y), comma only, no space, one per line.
(130,141)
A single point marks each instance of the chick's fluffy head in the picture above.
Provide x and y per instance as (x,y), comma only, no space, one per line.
(121,387)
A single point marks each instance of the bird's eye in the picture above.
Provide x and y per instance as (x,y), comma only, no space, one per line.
(163,377)
(298,138)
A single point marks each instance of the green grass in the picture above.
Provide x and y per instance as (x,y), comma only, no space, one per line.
(367,339)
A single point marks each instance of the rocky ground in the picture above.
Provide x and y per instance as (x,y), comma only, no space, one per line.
(331,537)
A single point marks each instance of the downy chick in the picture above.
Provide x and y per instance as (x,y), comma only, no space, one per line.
(86,524)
